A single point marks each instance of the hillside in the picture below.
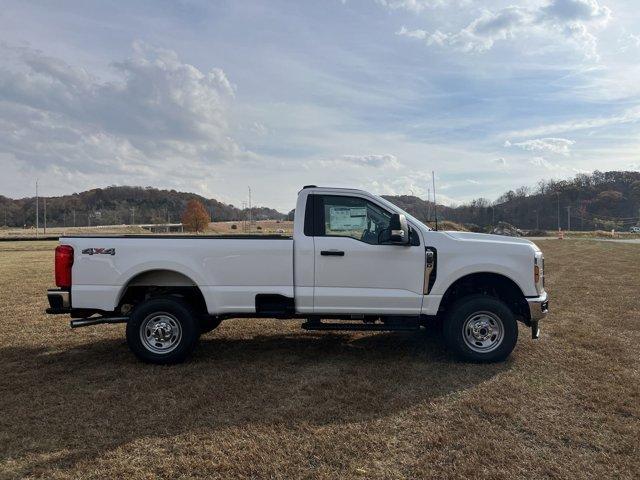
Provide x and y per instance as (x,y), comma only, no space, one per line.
(118,205)
(421,209)
(602,200)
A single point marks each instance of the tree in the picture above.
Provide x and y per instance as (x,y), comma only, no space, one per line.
(195,217)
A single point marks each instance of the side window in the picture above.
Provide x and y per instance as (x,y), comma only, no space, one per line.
(351,217)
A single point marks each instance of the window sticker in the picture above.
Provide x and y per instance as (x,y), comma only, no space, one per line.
(347,218)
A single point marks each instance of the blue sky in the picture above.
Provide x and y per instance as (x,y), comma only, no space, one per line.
(214,96)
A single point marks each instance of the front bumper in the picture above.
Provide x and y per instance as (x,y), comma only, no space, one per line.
(538,309)
(538,306)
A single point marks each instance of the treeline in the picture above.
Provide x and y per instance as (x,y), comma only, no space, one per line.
(119,205)
(601,200)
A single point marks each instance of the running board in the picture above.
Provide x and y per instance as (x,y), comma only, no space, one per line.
(361,326)
(86,322)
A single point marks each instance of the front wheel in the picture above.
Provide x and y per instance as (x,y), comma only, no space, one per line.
(480,328)
(162,331)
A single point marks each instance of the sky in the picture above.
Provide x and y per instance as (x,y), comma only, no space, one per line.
(215,96)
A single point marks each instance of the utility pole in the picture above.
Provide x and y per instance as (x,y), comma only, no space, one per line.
(133,215)
(74,217)
(37,224)
(435,205)
(569,218)
(44,199)
(558,195)
(244,215)
(250,213)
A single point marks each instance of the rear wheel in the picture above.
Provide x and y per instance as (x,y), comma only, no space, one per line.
(481,328)
(162,330)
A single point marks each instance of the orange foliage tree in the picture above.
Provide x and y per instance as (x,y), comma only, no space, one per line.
(195,217)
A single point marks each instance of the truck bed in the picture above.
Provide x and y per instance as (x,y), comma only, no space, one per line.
(229,270)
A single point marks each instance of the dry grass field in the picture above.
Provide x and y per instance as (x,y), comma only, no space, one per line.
(263,399)
(284,227)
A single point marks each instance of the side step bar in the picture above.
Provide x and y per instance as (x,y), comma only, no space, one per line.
(394,327)
(86,322)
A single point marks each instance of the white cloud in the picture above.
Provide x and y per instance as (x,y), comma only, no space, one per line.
(378,161)
(630,115)
(576,10)
(628,41)
(375,161)
(573,19)
(550,144)
(415,6)
(159,115)
(259,129)
(542,162)
(501,162)
(408,185)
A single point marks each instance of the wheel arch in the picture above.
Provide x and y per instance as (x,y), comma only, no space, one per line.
(493,284)
(156,282)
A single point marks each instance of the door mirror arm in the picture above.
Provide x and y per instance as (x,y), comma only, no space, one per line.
(398,231)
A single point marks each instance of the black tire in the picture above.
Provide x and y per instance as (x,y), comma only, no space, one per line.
(173,320)
(495,335)
(208,323)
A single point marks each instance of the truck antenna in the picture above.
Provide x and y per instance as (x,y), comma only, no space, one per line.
(435,207)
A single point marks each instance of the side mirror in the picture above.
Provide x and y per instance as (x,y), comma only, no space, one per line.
(399,230)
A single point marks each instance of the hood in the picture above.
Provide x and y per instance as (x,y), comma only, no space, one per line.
(487,237)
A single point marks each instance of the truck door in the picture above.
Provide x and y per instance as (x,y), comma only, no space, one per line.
(354,271)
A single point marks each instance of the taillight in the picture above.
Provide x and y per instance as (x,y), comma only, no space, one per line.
(64,262)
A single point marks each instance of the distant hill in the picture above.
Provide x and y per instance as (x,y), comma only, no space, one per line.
(421,209)
(118,205)
(602,200)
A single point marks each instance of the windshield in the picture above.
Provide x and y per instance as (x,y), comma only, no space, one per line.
(410,217)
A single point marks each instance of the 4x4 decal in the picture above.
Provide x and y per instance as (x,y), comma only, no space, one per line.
(99,251)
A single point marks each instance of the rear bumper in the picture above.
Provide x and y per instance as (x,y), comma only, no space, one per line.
(538,307)
(59,301)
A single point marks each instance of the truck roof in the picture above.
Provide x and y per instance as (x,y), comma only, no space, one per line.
(340,189)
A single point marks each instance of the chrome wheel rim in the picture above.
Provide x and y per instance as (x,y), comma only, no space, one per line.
(483,332)
(160,333)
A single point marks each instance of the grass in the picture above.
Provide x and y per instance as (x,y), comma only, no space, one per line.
(599,234)
(263,399)
(284,227)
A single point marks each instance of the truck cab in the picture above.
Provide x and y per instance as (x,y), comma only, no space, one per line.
(355,262)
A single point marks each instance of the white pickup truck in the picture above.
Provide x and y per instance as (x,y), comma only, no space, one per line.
(355,262)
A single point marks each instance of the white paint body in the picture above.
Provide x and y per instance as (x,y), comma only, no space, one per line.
(368,279)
